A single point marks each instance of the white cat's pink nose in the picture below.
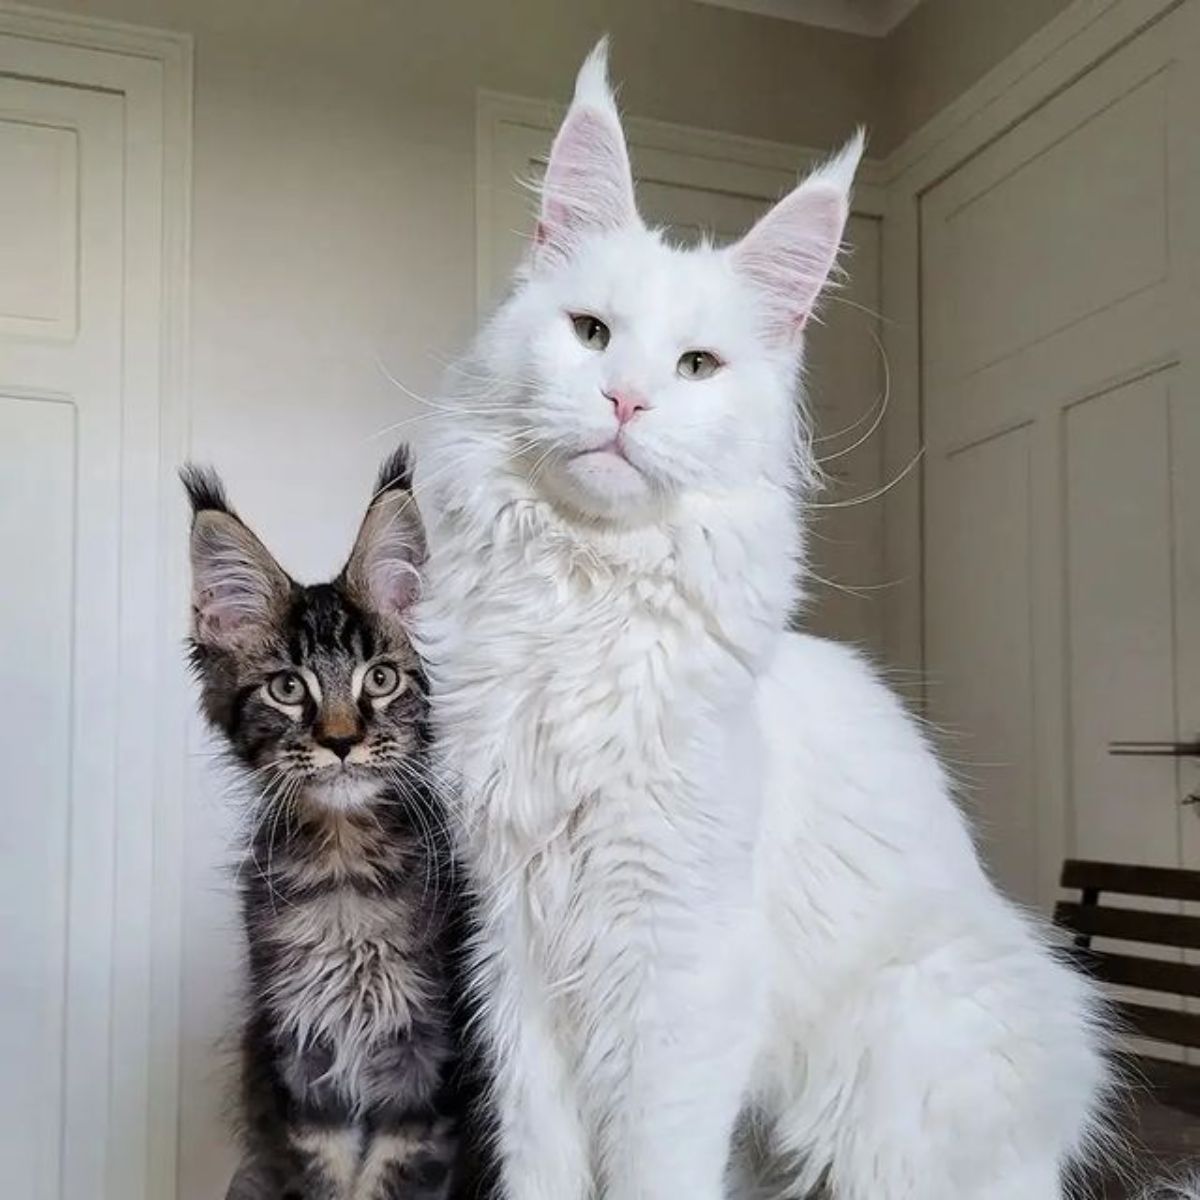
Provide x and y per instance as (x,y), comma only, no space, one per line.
(627,404)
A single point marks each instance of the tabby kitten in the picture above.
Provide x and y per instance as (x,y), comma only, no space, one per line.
(349,1047)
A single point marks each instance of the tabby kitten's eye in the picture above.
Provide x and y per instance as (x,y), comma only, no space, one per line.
(381,681)
(287,687)
(591,331)
(698,364)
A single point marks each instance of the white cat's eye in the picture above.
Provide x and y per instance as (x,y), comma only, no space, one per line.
(287,688)
(698,364)
(591,331)
(381,681)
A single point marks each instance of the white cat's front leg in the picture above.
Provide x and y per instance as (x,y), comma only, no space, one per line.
(671,1134)
(541,1141)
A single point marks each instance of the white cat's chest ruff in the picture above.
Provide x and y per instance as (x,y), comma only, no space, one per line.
(586,685)
(590,709)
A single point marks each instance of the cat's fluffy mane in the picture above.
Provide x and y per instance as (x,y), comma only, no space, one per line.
(722,465)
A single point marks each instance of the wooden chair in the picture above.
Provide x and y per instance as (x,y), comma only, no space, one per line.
(1173,1085)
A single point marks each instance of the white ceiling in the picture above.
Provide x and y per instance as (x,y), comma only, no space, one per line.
(871,17)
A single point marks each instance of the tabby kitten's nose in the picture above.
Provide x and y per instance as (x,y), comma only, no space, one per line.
(341,746)
(339,733)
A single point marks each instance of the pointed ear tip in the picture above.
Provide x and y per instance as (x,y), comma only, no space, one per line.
(208,519)
(591,84)
(203,488)
(841,168)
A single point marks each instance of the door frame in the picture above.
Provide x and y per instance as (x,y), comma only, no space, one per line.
(1073,43)
(134,1153)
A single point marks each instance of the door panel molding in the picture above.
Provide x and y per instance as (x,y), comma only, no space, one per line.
(1073,44)
(1126,61)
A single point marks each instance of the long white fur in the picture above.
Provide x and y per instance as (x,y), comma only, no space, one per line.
(724,883)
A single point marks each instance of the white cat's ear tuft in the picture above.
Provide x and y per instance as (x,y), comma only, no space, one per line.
(588,185)
(591,83)
(384,567)
(239,591)
(839,169)
(790,252)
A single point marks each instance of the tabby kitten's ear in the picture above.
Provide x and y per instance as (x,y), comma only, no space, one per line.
(383,572)
(239,591)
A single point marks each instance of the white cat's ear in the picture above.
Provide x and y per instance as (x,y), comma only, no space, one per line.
(383,570)
(239,591)
(588,185)
(790,252)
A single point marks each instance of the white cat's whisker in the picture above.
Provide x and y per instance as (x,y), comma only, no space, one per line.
(405,390)
(861,591)
(866,309)
(882,404)
(433,416)
(867,497)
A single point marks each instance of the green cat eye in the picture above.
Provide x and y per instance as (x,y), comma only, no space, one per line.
(381,680)
(287,687)
(591,331)
(697,364)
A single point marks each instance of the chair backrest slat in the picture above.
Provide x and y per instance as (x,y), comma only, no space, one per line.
(1167,883)
(1150,974)
(1090,917)
(1130,924)
(1161,1024)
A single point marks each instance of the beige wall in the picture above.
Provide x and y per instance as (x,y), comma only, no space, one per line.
(333,210)
(940,49)
(333,199)
(334,166)
(333,221)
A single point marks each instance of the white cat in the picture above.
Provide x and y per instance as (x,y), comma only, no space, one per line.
(725,887)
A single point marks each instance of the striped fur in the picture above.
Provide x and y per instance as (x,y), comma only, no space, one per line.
(350,1080)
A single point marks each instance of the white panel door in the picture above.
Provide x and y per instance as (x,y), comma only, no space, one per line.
(81,632)
(711,188)
(1060,364)
(60,336)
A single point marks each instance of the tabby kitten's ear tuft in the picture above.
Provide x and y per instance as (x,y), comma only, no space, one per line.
(383,571)
(239,591)
(204,488)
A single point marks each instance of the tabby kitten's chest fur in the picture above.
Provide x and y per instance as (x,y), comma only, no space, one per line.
(350,1050)
(347,941)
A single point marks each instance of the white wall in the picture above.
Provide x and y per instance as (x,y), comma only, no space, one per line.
(333,222)
(333,200)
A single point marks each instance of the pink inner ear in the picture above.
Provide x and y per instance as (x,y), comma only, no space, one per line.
(588,185)
(223,612)
(395,584)
(211,625)
(791,251)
